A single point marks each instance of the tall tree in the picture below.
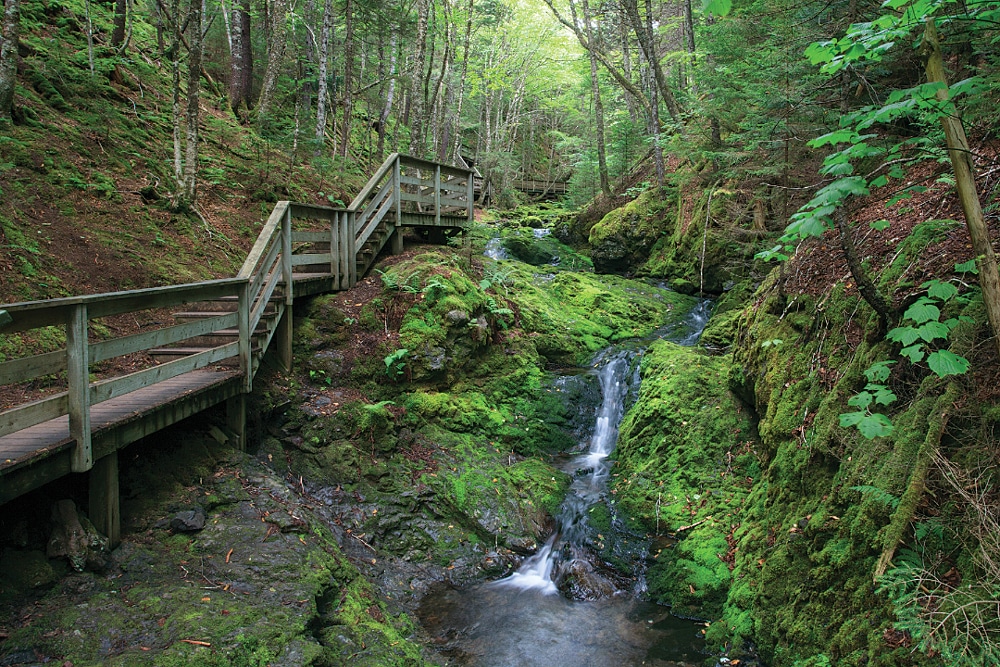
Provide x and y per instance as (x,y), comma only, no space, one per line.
(9,35)
(326,32)
(595,88)
(241,59)
(417,119)
(277,38)
(348,96)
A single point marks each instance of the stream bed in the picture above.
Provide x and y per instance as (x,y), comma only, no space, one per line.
(563,606)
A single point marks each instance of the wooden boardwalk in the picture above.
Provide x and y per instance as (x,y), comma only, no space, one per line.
(302,250)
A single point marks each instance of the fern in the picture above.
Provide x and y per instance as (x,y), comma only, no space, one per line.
(878,495)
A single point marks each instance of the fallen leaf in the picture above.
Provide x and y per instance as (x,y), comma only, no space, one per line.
(229,555)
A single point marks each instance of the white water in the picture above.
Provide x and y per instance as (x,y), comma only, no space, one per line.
(495,250)
(535,572)
(521,621)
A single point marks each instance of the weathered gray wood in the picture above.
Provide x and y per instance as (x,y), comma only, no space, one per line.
(437,195)
(427,183)
(245,348)
(311,212)
(263,299)
(152,339)
(310,237)
(236,420)
(105,512)
(264,269)
(271,228)
(334,237)
(374,222)
(470,199)
(28,414)
(78,376)
(29,368)
(286,256)
(126,384)
(384,194)
(373,182)
(56,312)
(302,260)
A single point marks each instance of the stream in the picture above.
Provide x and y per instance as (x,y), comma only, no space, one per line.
(563,606)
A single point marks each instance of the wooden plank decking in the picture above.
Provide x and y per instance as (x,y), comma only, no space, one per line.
(33,456)
(253,311)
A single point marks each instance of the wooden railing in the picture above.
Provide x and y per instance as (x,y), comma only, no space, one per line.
(429,193)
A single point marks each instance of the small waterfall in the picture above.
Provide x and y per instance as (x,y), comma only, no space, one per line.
(541,233)
(592,469)
(693,325)
(495,250)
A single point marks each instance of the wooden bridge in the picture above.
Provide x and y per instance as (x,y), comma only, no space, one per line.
(222,330)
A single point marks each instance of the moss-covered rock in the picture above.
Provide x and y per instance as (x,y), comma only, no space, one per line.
(621,241)
(685,464)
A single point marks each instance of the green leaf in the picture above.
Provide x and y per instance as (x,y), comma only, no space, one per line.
(903,335)
(836,137)
(931,331)
(717,7)
(967,267)
(879,225)
(848,419)
(914,353)
(879,371)
(875,425)
(878,182)
(884,396)
(923,310)
(940,289)
(945,363)
(861,400)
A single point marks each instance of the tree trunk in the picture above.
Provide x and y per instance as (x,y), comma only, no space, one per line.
(595,87)
(241,62)
(118,34)
(277,19)
(190,187)
(457,130)
(387,109)
(644,33)
(9,37)
(965,182)
(323,91)
(348,105)
(866,286)
(416,99)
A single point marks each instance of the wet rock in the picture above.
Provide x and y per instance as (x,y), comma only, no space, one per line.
(189,521)
(73,537)
(579,581)
(459,317)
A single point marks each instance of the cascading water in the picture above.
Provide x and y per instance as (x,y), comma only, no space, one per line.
(495,250)
(588,486)
(520,620)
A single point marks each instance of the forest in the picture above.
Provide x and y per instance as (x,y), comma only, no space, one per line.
(742,250)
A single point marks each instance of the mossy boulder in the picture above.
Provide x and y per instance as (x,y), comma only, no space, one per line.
(621,241)
(684,467)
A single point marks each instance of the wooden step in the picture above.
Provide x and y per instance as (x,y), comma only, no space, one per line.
(164,354)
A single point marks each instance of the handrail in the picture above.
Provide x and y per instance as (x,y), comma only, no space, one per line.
(266,277)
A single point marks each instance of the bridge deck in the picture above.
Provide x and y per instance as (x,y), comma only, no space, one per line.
(327,250)
(114,424)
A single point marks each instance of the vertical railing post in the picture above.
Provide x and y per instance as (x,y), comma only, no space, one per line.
(78,376)
(345,250)
(352,249)
(285,323)
(437,195)
(471,196)
(397,191)
(397,232)
(286,253)
(243,315)
(335,249)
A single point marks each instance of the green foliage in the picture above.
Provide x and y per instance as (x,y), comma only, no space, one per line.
(395,363)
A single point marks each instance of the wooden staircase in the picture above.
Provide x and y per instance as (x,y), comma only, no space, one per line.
(220,333)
